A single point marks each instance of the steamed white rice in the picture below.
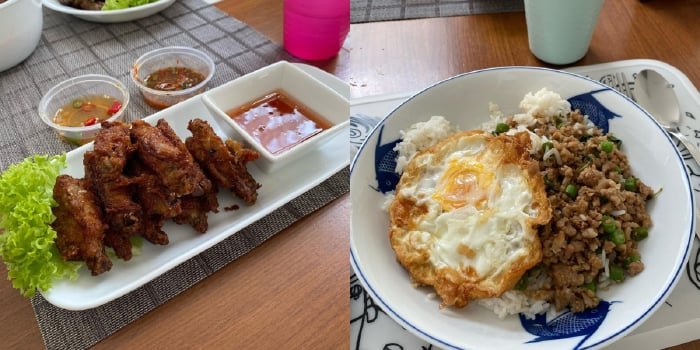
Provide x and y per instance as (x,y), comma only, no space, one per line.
(515,302)
(420,136)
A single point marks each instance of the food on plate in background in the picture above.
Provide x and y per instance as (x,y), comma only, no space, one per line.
(173,79)
(278,122)
(81,231)
(21,24)
(97,5)
(86,111)
(465,211)
(136,178)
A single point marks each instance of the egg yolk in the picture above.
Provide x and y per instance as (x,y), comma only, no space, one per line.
(461,185)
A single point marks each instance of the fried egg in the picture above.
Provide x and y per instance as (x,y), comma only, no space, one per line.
(465,215)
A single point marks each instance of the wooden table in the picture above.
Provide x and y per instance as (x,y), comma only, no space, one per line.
(292,291)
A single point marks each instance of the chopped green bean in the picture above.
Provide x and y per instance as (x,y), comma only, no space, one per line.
(617,237)
(571,190)
(590,286)
(630,184)
(609,225)
(558,121)
(630,259)
(547,146)
(501,128)
(617,273)
(640,233)
(606,146)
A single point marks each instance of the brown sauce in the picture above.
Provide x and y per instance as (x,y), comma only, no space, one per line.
(173,79)
(278,122)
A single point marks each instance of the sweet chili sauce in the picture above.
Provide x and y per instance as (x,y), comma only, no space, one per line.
(278,122)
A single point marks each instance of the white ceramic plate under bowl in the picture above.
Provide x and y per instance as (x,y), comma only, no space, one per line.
(464,101)
(114,16)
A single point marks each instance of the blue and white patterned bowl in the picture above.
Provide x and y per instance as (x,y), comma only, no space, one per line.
(464,101)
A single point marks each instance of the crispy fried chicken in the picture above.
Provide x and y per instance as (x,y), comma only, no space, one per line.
(224,163)
(79,224)
(104,168)
(166,155)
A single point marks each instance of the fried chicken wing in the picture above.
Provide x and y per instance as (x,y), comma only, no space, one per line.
(166,155)
(195,209)
(224,163)
(157,202)
(79,224)
(104,168)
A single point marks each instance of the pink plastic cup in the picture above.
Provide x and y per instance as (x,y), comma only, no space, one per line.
(315,29)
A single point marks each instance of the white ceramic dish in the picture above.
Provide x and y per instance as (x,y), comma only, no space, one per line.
(21,22)
(114,16)
(319,164)
(464,100)
(298,84)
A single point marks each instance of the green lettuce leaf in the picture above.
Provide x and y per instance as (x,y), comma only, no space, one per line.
(122,4)
(26,237)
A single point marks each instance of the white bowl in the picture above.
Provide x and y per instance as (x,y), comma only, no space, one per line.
(464,101)
(297,84)
(21,22)
(114,16)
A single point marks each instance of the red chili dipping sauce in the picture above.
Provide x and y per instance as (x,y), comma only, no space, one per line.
(278,122)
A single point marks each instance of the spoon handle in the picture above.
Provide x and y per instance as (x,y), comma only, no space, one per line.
(694,151)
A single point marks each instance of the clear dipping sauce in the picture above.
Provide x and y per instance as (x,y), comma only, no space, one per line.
(278,122)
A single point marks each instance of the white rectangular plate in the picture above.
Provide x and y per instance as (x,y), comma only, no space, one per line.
(277,189)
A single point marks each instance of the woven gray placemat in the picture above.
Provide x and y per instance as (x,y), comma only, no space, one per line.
(389,10)
(70,47)
(63,329)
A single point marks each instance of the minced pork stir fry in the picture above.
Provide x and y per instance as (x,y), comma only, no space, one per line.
(599,213)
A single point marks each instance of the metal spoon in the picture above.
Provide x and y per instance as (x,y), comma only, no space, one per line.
(655,94)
